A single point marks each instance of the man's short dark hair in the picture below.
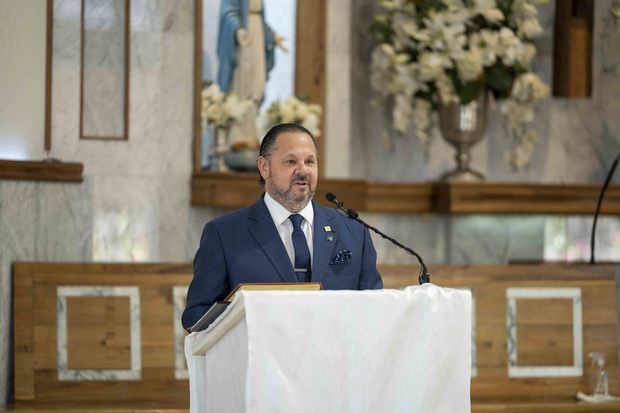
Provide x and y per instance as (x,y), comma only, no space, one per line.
(268,144)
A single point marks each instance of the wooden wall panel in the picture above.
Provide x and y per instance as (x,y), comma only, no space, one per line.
(36,375)
(23,336)
(98,333)
(36,371)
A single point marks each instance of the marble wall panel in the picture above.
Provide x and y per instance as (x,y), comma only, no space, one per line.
(338,100)
(177,16)
(172,218)
(21,208)
(66,80)
(66,219)
(146,15)
(483,239)
(179,298)
(425,234)
(125,220)
(103,69)
(176,137)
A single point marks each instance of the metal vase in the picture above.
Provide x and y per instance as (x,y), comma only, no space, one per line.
(463,126)
(220,148)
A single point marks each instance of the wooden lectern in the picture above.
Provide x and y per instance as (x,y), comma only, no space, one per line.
(335,351)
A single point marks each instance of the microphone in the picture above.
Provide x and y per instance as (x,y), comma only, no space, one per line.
(331,198)
(424,276)
(598,205)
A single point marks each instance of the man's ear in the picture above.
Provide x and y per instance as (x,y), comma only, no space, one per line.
(263,167)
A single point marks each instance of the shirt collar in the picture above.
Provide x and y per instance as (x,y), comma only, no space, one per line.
(279,214)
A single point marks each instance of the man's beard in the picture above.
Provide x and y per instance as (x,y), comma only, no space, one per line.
(286,197)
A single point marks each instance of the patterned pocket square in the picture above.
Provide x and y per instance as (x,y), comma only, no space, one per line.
(342,257)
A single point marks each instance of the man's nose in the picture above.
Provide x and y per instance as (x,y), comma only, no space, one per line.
(302,169)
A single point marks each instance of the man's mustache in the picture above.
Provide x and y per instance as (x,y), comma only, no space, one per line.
(301,178)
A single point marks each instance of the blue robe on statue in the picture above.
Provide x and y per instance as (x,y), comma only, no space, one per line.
(234,15)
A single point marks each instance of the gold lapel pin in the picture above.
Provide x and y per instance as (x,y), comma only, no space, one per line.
(327,228)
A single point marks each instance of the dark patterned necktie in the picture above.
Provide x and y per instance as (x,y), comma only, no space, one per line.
(302,253)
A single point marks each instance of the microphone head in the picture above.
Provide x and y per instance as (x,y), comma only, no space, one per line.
(331,198)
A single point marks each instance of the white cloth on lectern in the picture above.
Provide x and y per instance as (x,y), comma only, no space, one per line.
(196,370)
(345,351)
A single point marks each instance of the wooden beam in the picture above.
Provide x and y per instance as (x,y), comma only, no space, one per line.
(49,48)
(41,171)
(572,50)
(229,191)
(310,59)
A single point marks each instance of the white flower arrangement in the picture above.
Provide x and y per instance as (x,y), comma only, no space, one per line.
(295,110)
(219,108)
(438,52)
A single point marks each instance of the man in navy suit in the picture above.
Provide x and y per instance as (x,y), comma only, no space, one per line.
(285,236)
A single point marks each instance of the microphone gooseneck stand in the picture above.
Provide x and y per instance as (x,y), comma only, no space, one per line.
(598,206)
(424,276)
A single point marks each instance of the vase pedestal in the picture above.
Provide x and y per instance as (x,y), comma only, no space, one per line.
(462,126)
(220,148)
(463,172)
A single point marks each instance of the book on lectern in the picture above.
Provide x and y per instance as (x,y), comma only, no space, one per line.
(219,306)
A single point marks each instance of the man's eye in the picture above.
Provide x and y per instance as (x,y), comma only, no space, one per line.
(310,162)
(290,161)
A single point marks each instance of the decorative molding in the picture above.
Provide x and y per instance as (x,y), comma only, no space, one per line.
(64,372)
(41,171)
(518,371)
(230,191)
(49,47)
(179,292)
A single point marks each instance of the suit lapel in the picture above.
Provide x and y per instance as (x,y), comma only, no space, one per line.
(264,231)
(323,247)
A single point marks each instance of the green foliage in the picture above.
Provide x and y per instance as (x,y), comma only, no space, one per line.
(506,8)
(426,6)
(499,79)
(381,28)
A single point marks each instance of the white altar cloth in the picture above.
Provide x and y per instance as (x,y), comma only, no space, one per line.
(335,351)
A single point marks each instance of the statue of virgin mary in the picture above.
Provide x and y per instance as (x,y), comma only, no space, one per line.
(245,50)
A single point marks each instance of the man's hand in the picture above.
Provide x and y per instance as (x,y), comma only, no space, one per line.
(242,37)
(280,42)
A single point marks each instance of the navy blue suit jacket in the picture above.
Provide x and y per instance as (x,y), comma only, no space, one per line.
(244,246)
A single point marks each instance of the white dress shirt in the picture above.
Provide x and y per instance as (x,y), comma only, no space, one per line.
(280,215)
